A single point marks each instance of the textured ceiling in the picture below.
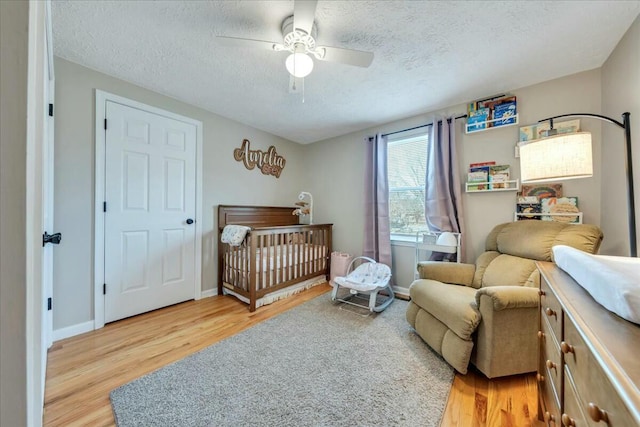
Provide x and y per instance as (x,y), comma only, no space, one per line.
(428,54)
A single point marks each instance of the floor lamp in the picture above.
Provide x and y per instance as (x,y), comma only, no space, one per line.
(567,156)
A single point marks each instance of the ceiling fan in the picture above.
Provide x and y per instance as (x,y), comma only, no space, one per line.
(299,39)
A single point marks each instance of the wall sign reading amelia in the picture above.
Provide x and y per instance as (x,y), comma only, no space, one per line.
(269,162)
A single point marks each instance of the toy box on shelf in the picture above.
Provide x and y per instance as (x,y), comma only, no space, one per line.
(491,113)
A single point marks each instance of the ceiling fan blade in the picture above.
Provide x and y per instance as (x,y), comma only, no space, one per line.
(240,42)
(345,56)
(304,12)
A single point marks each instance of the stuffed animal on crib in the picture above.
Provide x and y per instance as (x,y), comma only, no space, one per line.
(302,210)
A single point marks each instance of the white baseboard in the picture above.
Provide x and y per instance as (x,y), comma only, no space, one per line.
(73,330)
(401,291)
(208,293)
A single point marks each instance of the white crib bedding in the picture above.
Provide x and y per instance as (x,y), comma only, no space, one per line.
(278,256)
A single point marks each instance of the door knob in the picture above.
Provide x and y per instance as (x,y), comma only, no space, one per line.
(190,221)
(51,238)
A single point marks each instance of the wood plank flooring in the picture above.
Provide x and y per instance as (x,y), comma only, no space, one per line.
(83,370)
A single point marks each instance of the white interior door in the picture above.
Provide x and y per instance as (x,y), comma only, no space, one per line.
(47,209)
(150,192)
(48,96)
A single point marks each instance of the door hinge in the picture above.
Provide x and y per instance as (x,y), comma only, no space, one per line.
(105,124)
(49,304)
(104,206)
(104,289)
(51,110)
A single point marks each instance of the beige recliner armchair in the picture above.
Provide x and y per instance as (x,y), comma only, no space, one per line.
(494,302)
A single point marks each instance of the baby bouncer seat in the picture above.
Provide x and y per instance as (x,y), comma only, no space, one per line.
(364,282)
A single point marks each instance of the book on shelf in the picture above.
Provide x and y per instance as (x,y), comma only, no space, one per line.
(498,175)
(542,191)
(541,130)
(477,119)
(523,209)
(478,180)
(481,164)
(504,113)
(560,205)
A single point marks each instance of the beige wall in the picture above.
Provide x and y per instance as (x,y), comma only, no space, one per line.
(225,181)
(620,93)
(336,168)
(14,18)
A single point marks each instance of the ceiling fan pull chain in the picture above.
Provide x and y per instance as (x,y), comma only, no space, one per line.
(303,90)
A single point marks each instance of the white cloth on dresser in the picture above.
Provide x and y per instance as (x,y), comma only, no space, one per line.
(234,234)
(613,281)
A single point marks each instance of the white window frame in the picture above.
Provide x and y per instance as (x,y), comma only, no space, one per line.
(403,239)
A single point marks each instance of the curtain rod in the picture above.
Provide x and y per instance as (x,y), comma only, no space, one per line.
(423,126)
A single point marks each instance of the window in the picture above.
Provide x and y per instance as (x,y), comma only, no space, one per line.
(407,165)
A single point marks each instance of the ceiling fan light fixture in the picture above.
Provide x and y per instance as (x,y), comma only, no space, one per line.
(299,64)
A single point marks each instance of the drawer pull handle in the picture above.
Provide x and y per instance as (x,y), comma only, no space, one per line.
(568,421)
(549,417)
(540,334)
(550,364)
(598,414)
(566,348)
(550,312)
(541,293)
(540,378)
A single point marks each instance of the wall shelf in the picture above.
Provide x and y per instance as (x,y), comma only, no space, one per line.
(528,216)
(487,124)
(512,185)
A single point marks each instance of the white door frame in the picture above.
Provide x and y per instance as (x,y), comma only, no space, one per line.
(36,350)
(99,272)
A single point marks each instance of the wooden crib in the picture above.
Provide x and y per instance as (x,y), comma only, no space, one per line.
(287,257)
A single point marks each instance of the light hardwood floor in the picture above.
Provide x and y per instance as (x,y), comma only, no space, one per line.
(83,370)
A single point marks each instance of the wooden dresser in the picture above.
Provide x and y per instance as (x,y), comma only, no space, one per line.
(589,370)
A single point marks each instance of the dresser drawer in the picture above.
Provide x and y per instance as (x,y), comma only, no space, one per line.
(548,403)
(572,415)
(550,309)
(550,361)
(595,394)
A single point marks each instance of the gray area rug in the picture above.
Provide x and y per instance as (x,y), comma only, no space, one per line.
(315,365)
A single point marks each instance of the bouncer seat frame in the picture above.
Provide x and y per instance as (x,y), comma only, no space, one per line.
(367,280)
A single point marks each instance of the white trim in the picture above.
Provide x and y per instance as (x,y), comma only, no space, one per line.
(208,293)
(34,332)
(401,291)
(72,331)
(49,35)
(400,240)
(101,102)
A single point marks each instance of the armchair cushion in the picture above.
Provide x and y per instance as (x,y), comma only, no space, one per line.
(452,305)
(534,239)
(506,270)
(447,272)
(505,297)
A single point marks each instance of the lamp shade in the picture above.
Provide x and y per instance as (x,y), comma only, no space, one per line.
(299,64)
(564,156)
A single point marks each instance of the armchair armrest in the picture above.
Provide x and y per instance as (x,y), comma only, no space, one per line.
(447,272)
(504,297)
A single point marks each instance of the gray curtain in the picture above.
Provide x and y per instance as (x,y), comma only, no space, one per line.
(443,199)
(377,234)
